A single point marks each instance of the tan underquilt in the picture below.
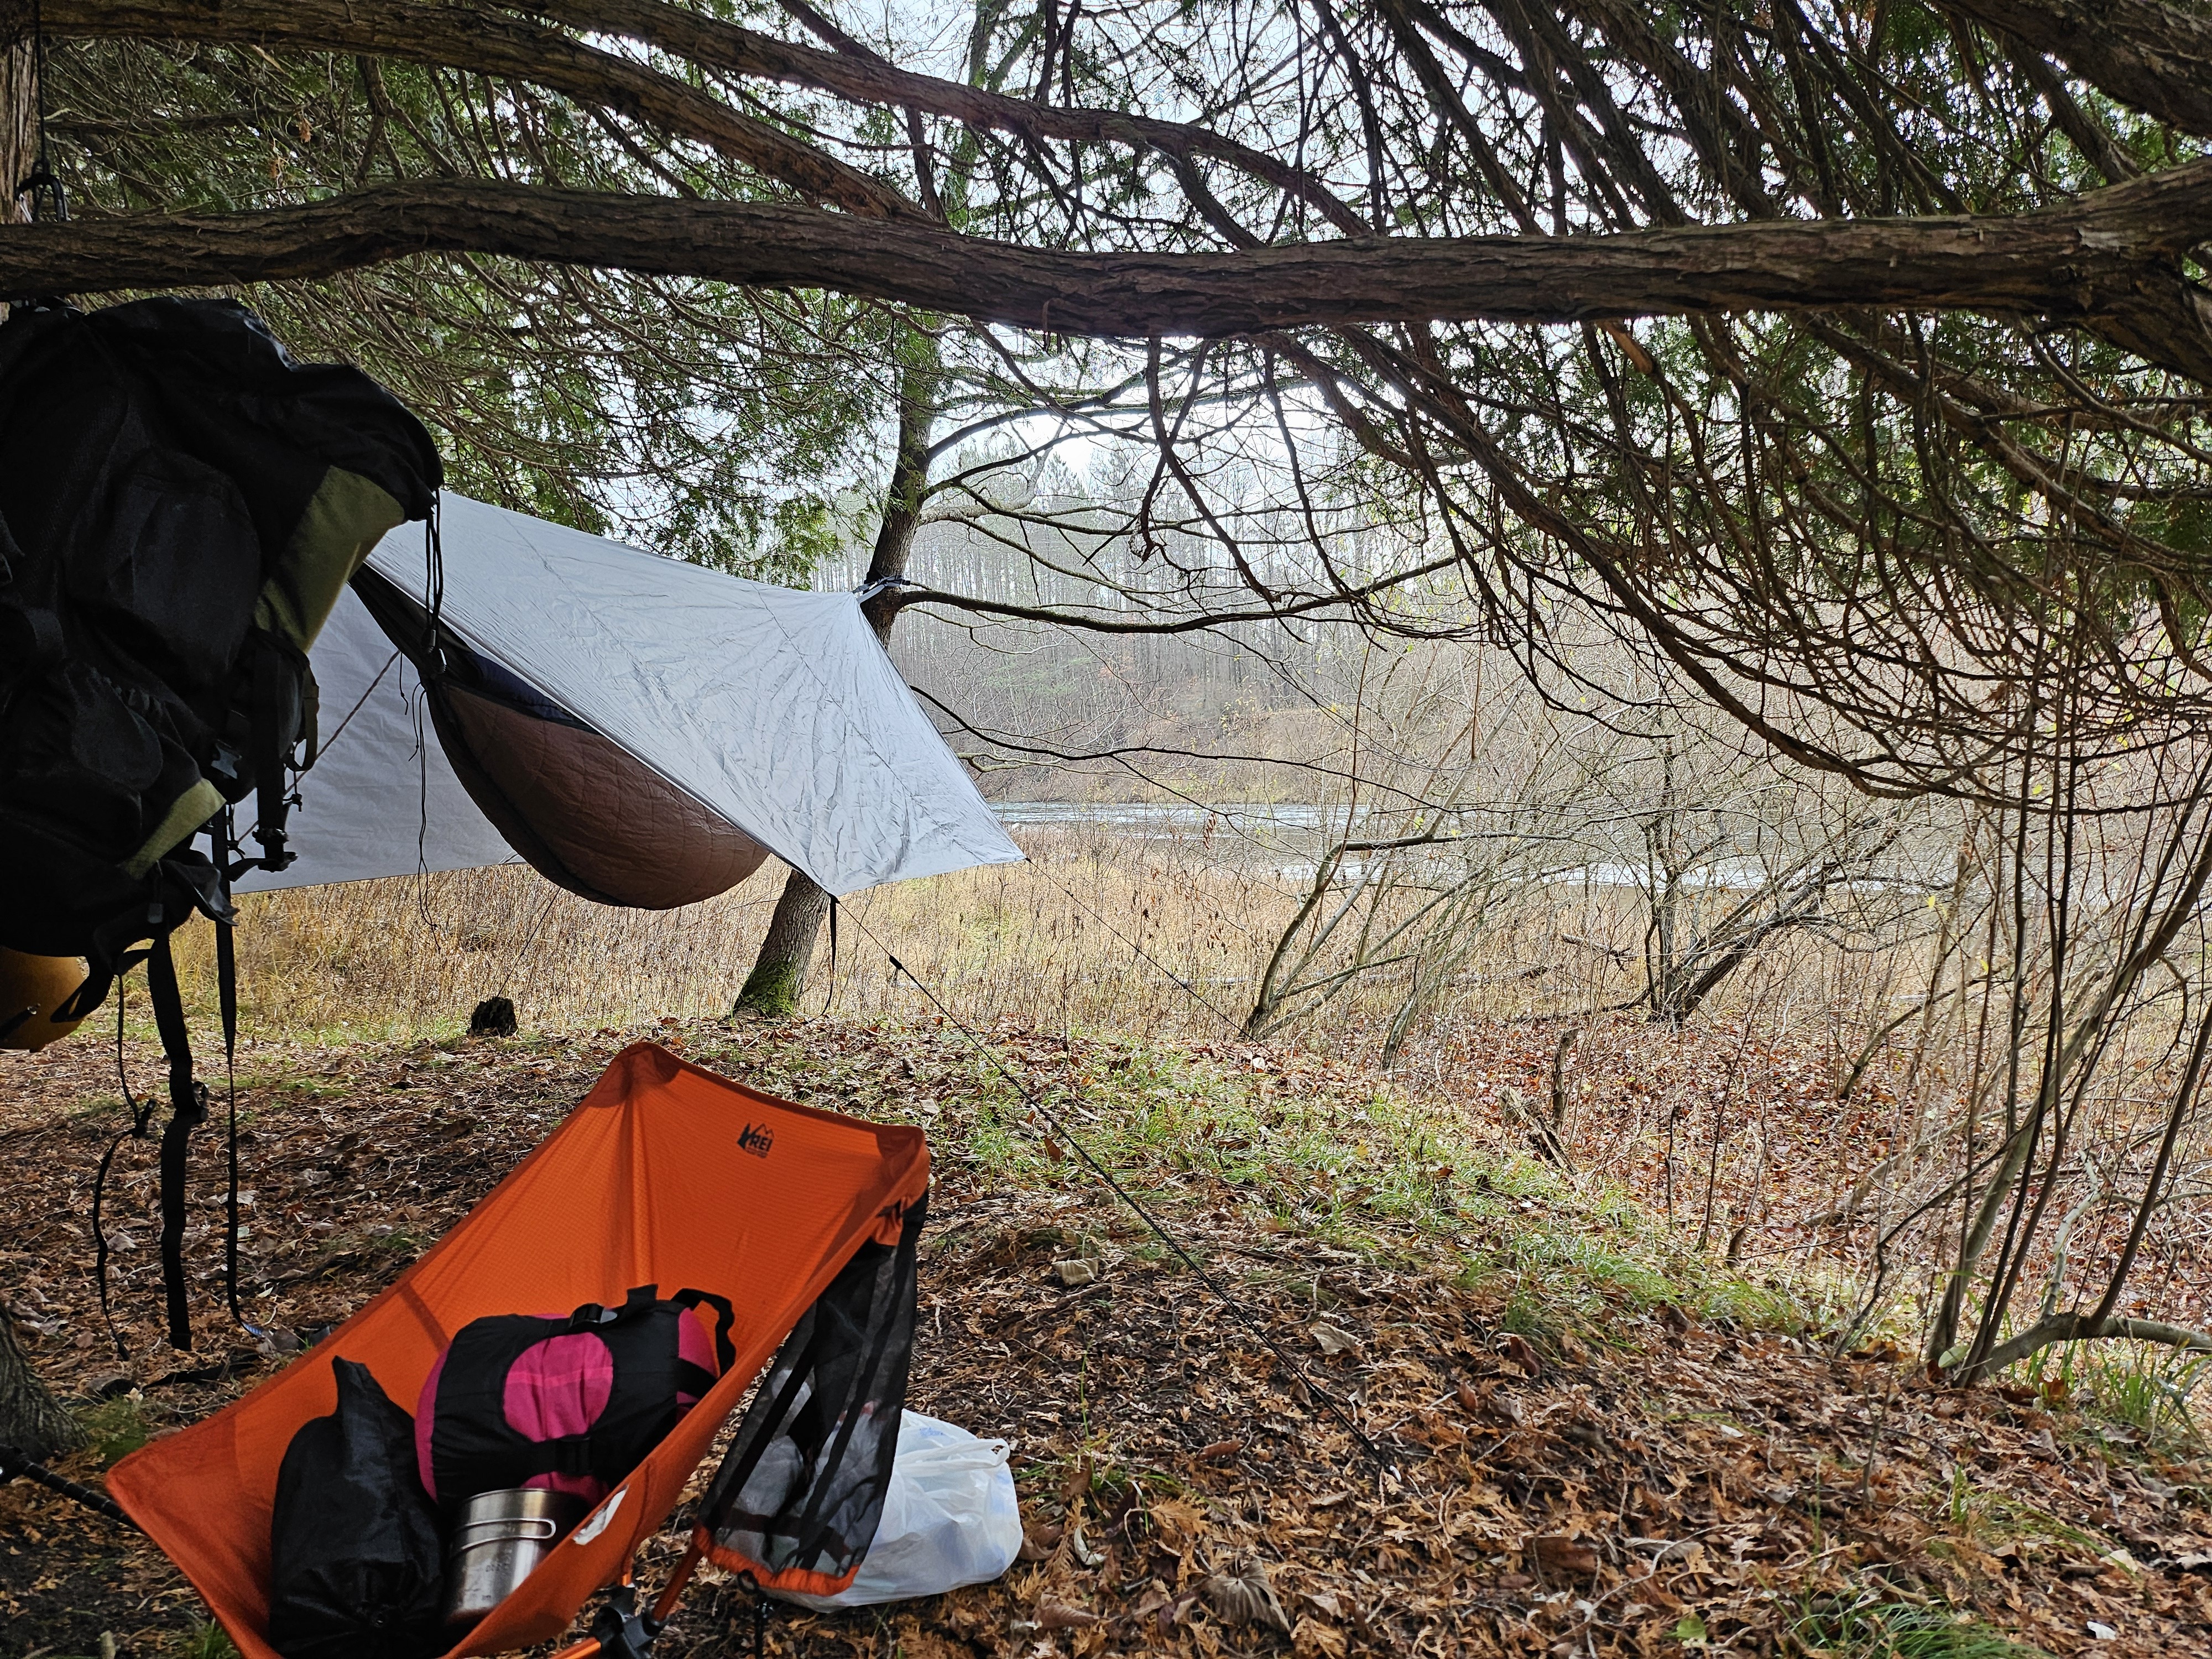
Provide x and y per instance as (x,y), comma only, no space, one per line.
(626,835)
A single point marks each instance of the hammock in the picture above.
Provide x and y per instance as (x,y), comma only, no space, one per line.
(665,1174)
(639,729)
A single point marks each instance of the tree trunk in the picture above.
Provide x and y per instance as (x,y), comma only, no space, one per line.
(2112,260)
(778,976)
(19,128)
(31,1419)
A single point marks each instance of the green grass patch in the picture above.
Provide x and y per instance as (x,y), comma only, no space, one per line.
(2146,1388)
(310,1086)
(115,1427)
(95,1106)
(1357,1167)
(1874,1629)
(207,1640)
(1996,1516)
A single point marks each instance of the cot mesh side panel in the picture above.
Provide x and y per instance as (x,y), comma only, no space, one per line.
(796,1500)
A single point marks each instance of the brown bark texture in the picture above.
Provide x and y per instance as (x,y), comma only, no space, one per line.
(19,128)
(778,976)
(2112,257)
(2156,57)
(31,1419)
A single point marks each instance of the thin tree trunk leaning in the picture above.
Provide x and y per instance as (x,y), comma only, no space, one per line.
(31,1419)
(2085,1327)
(778,976)
(2059,1075)
(2102,1321)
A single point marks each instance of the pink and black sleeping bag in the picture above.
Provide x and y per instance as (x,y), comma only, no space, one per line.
(570,1404)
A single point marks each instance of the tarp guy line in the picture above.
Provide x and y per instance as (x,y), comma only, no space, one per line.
(1336,1407)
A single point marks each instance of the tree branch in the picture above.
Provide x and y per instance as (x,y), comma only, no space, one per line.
(2110,258)
(491,43)
(2157,57)
(869,81)
(2082,1328)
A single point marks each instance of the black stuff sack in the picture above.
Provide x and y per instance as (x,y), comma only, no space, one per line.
(571,1405)
(356,1559)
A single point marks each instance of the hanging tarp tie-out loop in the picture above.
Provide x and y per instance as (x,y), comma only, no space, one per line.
(187,1111)
(1336,1407)
(142,1115)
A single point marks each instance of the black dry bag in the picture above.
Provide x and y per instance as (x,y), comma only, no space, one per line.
(356,1563)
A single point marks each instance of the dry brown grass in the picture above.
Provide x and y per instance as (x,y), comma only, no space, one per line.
(1034,944)
(1729,1127)
(1054,945)
(1091,933)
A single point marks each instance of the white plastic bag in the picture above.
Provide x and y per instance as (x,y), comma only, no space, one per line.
(950,1518)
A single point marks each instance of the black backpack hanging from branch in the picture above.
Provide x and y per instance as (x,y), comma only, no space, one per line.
(180,502)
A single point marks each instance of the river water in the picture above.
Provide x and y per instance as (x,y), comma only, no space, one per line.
(1287,838)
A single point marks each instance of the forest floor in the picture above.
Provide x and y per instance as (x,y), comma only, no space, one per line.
(1598,1445)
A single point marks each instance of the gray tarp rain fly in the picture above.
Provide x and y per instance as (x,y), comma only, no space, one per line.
(642,730)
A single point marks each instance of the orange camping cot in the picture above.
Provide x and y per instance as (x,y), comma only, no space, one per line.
(665,1174)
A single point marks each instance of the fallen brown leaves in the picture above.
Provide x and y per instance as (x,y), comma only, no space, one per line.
(1183,1492)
